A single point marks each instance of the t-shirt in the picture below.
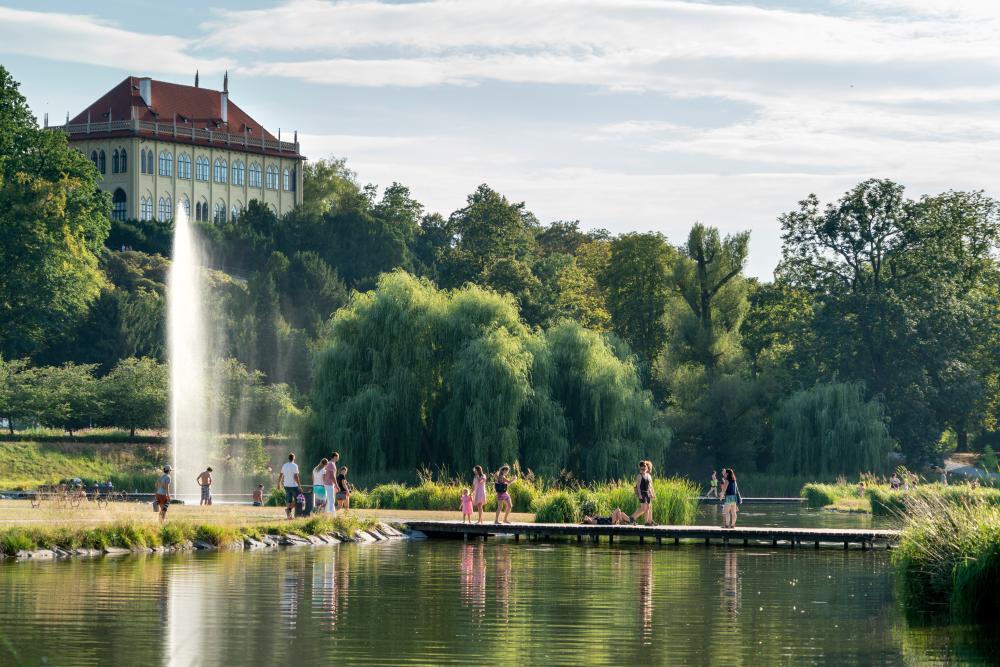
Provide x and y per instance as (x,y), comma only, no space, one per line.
(163,485)
(329,473)
(317,478)
(290,470)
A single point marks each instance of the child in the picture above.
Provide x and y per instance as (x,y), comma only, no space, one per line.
(466,506)
(344,494)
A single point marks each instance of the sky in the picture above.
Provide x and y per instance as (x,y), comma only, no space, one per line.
(628,115)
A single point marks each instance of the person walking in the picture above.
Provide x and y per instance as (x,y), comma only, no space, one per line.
(713,486)
(504,503)
(319,487)
(330,483)
(205,482)
(162,492)
(344,490)
(644,491)
(288,479)
(479,491)
(730,492)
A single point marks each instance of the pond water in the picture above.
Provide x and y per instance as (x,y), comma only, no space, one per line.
(792,516)
(438,602)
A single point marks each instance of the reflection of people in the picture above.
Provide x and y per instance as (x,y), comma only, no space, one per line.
(162,491)
(730,593)
(289,479)
(646,595)
(205,482)
(503,562)
(617,517)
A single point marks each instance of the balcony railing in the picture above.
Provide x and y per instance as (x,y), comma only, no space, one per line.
(174,131)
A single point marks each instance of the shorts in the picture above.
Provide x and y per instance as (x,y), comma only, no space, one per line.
(503,496)
(257,503)
(291,495)
(341,496)
(206,493)
(645,499)
(163,501)
(730,502)
(319,492)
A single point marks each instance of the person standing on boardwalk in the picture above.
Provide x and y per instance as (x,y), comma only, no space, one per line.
(644,490)
(732,499)
(288,478)
(479,491)
(503,497)
(713,486)
(330,483)
(162,491)
(205,482)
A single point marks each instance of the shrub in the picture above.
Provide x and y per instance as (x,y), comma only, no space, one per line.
(676,501)
(895,503)
(15,540)
(275,498)
(821,495)
(557,507)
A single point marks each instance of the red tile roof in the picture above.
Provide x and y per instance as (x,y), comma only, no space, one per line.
(187,105)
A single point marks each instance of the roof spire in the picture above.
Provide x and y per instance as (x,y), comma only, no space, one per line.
(225,82)
(196,78)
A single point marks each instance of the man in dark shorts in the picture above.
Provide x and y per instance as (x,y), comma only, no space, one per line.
(289,479)
(617,517)
(162,491)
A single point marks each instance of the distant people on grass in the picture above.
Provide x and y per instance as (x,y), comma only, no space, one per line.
(478,491)
(258,496)
(894,482)
(319,488)
(205,482)
(644,491)
(732,498)
(343,490)
(466,506)
(504,503)
(162,493)
(330,483)
(861,488)
(616,518)
(288,479)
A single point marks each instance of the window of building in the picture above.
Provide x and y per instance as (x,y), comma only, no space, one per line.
(166,164)
(166,208)
(183,166)
(93,158)
(220,214)
(118,201)
(238,172)
(183,204)
(220,171)
(142,161)
(286,181)
(146,207)
(293,180)
(201,168)
(114,162)
(234,214)
(102,162)
(272,178)
(124,162)
(254,175)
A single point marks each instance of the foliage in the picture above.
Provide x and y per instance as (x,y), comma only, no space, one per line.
(896,503)
(557,507)
(26,465)
(830,429)
(134,394)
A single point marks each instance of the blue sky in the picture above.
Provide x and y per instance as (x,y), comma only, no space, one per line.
(624,114)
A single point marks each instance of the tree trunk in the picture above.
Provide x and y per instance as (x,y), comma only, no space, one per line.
(963,440)
(131,432)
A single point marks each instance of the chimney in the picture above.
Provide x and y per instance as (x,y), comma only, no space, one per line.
(224,99)
(146,90)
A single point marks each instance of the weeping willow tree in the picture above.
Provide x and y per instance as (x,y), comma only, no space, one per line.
(415,375)
(830,429)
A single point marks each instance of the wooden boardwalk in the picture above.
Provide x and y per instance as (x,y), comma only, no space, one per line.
(746,536)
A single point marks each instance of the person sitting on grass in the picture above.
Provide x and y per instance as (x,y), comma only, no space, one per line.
(617,517)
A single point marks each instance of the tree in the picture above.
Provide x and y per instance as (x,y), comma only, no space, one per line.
(326,184)
(14,376)
(830,429)
(637,283)
(53,222)
(66,396)
(135,394)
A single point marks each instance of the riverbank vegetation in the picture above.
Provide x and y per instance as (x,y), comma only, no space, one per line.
(544,341)
(949,557)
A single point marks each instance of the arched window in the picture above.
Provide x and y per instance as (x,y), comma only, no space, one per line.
(272,178)
(182,204)
(146,207)
(124,162)
(220,170)
(286,181)
(201,168)
(142,162)
(166,164)
(166,208)
(114,162)
(234,214)
(254,175)
(293,180)
(183,166)
(118,201)
(238,172)
(93,158)
(102,162)
(220,214)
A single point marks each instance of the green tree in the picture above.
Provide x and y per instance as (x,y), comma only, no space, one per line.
(135,394)
(830,429)
(53,222)
(66,396)
(14,376)
(326,184)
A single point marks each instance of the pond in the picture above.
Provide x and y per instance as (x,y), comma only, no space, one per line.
(437,602)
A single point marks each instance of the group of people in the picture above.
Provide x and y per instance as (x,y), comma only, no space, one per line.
(728,493)
(474,500)
(330,489)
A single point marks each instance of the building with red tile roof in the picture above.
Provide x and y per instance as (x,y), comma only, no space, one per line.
(162,145)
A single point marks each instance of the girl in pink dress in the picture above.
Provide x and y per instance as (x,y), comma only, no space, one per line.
(479,490)
(466,506)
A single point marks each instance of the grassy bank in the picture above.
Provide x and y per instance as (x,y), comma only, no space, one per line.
(27,465)
(896,503)
(949,557)
(842,497)
(132,534)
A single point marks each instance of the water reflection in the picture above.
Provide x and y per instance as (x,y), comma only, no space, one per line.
(646,595)
(730,590)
